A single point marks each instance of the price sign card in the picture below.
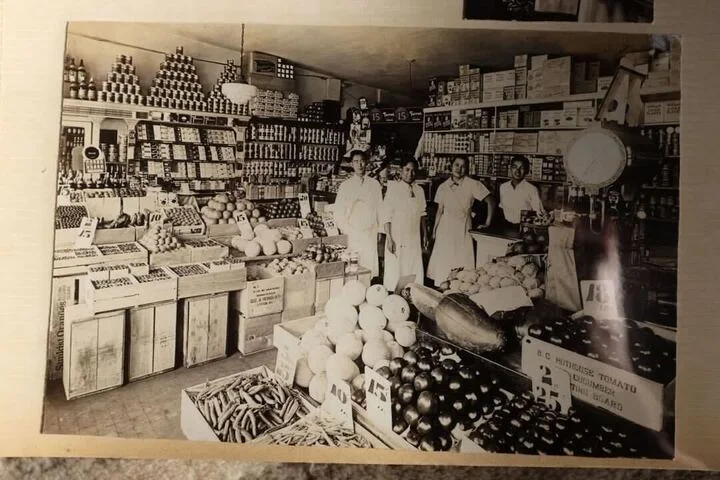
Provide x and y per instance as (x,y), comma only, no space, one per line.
(304,199)
(86,232)
(242,221)
(551,386)
(286,364)
(305,229)
(377,396)
(338,402)
(330,226)
(600,299)
(157,217)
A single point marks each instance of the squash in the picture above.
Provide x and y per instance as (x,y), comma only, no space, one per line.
(460,320)
(221,198)
(209,220)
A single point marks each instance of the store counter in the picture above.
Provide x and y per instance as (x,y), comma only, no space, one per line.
(493,242)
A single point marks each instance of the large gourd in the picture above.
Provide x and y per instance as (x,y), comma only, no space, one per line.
(459,320)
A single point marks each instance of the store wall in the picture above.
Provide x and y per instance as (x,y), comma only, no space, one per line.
(98,44)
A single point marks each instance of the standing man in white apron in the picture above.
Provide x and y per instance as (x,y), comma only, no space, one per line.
(357,212)
(404,209)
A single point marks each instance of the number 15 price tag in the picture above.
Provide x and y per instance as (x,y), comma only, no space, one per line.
(377,396)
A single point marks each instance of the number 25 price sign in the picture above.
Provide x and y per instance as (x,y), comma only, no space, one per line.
(551,386)
(377,396)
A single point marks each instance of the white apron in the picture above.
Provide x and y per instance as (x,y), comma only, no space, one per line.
(404,213)
(362,232)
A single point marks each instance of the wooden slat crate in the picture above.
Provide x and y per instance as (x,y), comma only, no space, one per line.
(93,352)
(151,340)
(255,333)
(205,328)
(66,290)
(196,279)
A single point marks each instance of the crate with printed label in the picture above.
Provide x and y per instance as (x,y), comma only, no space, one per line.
(205,278)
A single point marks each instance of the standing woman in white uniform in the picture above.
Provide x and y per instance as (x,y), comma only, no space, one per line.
(357,212)
(405,227)
(453,244)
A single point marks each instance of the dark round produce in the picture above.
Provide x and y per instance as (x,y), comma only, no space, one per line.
(424,363)
(406,393)
(399,426)
(407,374)
(427,403)
(466,374)
(455,383)
(447,350)
(395,384)
(429,346)
(358,396)
(484,388)
(449,364)
(430,443)
(459,405)
(442,397)
(397,364)
(413,438)
(424,425)
(446,420)
(422,381)
(486,409)
(422,352)
(397,409)
(473,415)
(438,375)
(471,398)
(410,357)
(384,372)
(467,424)
(411,415)
(446,442)
(498,401)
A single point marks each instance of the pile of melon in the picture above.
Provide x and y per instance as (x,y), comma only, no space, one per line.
(261,240)
(521,270)
(219,210)
(362,327)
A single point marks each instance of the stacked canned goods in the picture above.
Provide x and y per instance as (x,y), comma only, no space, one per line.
(176,85)
(219,103)
(122,85)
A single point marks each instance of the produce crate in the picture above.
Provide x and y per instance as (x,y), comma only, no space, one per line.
(161,286)
(205,328)
(299,245)
(196,279)
(263,296)
(76,257)
(255,334)
(93,351)
(175,257)
(295,313)
(326,270)
(226,230)
(299,291)
(335,240)
(114,235)
(123,252)
(206,250)
(151,340)
(193,422)
(622,393)
(66,290)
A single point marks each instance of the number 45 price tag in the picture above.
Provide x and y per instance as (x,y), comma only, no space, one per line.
(599,299)
(377,396)
(338,402)
(551,386)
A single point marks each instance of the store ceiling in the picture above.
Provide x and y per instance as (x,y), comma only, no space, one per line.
(379,56)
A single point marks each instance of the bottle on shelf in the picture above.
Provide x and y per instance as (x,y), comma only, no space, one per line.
(66,69)
(82,90)
(92,90)
(74,89)
(81,73)
(72,71)
(662,208)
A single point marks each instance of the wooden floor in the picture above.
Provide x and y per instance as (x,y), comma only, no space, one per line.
(148,408)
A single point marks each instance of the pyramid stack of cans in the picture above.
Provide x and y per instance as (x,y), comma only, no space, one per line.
(176,84)
(122,84)
(219,103)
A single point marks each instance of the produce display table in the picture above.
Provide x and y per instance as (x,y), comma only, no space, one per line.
(492,243)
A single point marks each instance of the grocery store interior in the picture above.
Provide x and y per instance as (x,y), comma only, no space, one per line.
(436,239)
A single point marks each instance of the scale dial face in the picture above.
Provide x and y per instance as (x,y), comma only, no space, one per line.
(595,159)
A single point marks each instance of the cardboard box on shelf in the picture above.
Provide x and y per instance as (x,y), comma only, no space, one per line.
(521,75)
(492,94)
(569,118)
(586,116)
(537,61)
(604,83)
(551,118)
(557,72)
(521,60)
(520,92)
(654,112)
(535,84)
(509,93)
(489,81)
(513,118)
(525,142)
(671,111)
(505,78)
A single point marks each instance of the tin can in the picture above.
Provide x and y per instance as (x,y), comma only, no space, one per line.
(118,58)
(127,98)
(129,59)
(150,101)
(102,96)
(110,96)
(114,87)
(141,100)
(123,58)
(105,86)
(165,102)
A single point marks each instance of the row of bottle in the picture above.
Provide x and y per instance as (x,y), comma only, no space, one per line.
(283,169)
(72,137)
(324,136)
(271,151)
(83,90)
(319,153)
(666,138)
(73,73)
(469,142)
(668,176)
(116,177)
(663,207)
(265,132)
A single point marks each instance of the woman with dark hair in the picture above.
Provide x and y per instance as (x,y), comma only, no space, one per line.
(453,244)
(405,227)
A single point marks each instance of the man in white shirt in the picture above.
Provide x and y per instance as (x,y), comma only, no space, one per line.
(518,194)
(357,212)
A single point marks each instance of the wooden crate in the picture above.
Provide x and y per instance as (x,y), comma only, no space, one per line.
(206,250)
(295,313)
(176,257)
(71,257)
(260,297)
(328,270)
(151,340)
(113,253)
(137,294)
(217,230)
(93,352)
(66,290)
(114,235)
(205,328)
(363,275)
(255,334)
(209,283)
(299,245)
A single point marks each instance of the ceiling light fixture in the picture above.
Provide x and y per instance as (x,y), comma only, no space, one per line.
(240,92)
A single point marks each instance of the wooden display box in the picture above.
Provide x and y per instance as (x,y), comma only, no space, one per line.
(299,245)
(206,250)
(192,422)
(205,328)
(128,252)
(296,313)
(226,230)
(175,257)
(93,352)
(325,289)
(65,238)
(208,282)
(327,270)
(335,240)
(255,334)
(624,394)
(263,296)
(151,340)
(71,257)
(133,295)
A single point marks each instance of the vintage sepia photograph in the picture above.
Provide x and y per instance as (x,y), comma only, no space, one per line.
(581,11)
(433,239)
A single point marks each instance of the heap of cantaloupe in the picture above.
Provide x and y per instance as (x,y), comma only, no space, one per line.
(219,210)
(521,270)
(362,327)
(261,240)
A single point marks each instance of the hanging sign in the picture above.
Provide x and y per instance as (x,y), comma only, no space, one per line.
(286,364)
(600,299)
(86,232)
(330,226)
(377,396)
(338,402)
(304,200)
(551,386)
